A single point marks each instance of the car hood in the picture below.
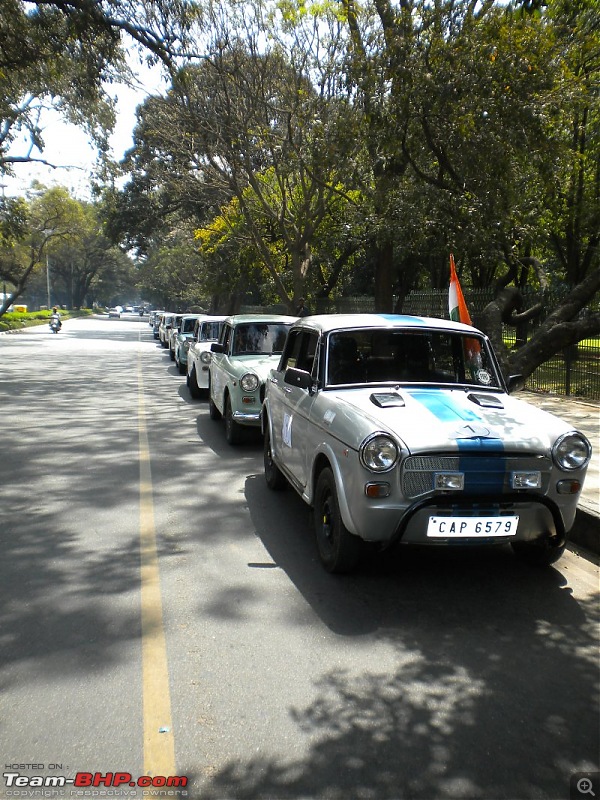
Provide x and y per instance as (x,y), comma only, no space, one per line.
(427,419)
(261,365)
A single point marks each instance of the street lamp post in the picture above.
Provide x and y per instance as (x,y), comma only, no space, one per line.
(48,279)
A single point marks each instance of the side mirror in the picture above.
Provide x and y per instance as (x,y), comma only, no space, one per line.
(515,383)
(298,377)
(217,347)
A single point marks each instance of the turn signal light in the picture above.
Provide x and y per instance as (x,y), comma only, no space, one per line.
(376,490)
(568,487)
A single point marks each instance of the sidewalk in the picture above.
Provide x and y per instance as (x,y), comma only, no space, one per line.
(585,417)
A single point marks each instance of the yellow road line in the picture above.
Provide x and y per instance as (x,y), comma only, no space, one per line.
(159,744)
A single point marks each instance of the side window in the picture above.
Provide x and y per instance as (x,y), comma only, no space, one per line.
(308,349)
(300,351)
(291,351)
(226,337)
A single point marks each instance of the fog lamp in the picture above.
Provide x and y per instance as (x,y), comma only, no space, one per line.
(449,481)
(526,480)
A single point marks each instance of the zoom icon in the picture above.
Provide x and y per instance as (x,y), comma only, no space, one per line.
(585,785)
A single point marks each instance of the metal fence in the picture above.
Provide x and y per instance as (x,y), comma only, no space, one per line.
(574,371)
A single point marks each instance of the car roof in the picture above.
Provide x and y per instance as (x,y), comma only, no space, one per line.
(236,319)
(331,322)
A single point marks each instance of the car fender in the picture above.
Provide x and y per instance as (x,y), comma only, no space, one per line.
(265,419)
(325,453)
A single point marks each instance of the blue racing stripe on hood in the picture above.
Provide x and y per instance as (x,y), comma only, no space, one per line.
(481,458)
(443,406)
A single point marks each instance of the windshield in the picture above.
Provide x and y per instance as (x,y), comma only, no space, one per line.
(187,325)
(210,331)
(259,338)
(401,356)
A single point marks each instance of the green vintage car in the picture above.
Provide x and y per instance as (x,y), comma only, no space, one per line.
(250,346)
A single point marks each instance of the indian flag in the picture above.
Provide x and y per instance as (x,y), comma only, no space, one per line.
(460,313)
(456,301)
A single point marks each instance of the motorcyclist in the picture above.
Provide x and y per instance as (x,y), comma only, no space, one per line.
(55,318)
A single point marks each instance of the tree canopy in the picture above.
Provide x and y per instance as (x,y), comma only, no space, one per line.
(322,148)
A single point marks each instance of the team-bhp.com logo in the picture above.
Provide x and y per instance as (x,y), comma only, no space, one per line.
(15,780)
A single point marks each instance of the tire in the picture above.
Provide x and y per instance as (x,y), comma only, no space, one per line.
(213,411)
(540,553)
(171,354)
(339,550)
(182,368)
(274,477)
(193,385)
(233,430)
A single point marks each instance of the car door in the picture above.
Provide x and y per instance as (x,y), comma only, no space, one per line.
(292,403)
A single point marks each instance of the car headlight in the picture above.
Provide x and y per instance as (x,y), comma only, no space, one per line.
(205,357)
(249,382)
(379,452)
(572,451)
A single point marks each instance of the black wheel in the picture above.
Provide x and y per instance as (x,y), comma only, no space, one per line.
(273,475)
(181,367)
(540,553)
(193,385)
(339,550)
(233,430)
(172,354)
(213,411)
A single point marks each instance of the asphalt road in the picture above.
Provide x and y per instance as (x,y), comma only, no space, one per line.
(163,613)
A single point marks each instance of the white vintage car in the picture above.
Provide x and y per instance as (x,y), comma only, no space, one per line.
(180,340)
(250,345)
(206,331)
(400,429)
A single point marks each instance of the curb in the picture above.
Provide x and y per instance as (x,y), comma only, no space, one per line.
(586,531)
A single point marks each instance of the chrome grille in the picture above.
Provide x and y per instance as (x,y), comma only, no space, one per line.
(484,472)
(418,472)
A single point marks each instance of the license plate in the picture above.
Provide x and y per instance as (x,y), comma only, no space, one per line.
(471,527)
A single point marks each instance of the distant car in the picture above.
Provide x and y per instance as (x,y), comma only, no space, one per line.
(249,346)
(172,335)
(206,331)
(114,312)
(164,327)
(154,321)
(179,339)
(399,429)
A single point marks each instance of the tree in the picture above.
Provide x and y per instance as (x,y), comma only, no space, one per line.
(52,217)
(63,52)
(255,123)
(463,98)
(83,259)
